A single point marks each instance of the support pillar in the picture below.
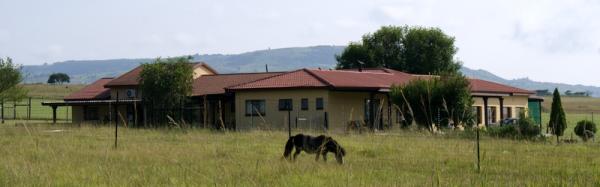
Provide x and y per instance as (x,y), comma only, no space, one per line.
(54,114)
(371,111)
(485,111)
(501,108)
(2,112)
(389,110)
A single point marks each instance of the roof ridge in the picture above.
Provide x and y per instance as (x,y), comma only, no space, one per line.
(247,73)
(108,83)
(321,79)
(262,79)
(506,85)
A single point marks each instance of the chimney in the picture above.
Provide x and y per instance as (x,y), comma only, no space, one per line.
(360,65)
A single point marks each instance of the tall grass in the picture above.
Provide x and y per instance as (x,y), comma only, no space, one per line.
(41,155)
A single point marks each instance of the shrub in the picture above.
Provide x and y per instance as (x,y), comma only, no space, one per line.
(585,129)
(524,129)
(436,101)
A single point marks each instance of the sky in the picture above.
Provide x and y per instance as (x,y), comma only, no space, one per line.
(550,41)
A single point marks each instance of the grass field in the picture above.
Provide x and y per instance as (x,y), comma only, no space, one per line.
(575,105)
(39,155)
(40,93)
(51,92)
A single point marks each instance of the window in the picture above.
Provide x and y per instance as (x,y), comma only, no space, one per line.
(90,113)
(507,112)
(370,107)
(492,114)
(518,111)
(319,103)
(304,104)
(255,107)
(285,105)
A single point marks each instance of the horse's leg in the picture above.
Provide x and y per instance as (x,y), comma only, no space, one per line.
(339,158)
(317,159)
(325,156)
(296,153)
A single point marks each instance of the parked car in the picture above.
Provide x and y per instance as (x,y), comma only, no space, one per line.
(509,121)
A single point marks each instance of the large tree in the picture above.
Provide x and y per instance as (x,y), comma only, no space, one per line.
(558,120)
(59,78)
(417,50)
(10,77)
(165,84)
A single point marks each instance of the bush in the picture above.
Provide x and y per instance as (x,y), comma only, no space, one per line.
(524,129)
(585,129)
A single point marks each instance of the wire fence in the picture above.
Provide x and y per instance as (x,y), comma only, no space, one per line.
(32,109)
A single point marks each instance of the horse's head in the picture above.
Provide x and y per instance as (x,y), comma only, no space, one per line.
(336,148)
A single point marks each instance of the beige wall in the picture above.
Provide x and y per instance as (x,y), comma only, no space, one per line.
(123,93)
(512,102)
(275,119)
(341,107)
(78,115)
(350,106)
(201,70)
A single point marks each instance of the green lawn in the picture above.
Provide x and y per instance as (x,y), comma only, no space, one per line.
(38,112)
(40,155)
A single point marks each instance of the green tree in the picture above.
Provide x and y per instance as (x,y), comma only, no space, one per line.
(558,121)
(417,50)
(429,51)
(165,84)
(59,78)
(10,77)
(436,101)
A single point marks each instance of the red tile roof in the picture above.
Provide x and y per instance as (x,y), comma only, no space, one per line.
(94,91)
(132,77)
(482,86)
(368,79)
(216,84)
(295,79)
(310,78)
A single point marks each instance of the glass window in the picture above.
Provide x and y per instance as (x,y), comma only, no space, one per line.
(285,105)
(507,112)
(255,107)
(304,104)
(319,103)
(492,114)
(518,111)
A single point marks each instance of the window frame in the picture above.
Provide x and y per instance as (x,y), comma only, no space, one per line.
(304,104)
(319,105)
(285,104)
(262,111)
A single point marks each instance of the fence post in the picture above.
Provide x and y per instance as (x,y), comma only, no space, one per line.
(15,110)
(116,119)
(478,157)
(2,108)
(29,109)
(326,118)
(289,123)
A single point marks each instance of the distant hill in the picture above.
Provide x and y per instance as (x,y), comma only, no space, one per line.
(277,60)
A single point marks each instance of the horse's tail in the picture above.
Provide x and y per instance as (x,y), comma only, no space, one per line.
(288,147)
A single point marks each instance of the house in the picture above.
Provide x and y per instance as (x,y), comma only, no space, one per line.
(304,98)
(108,99)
